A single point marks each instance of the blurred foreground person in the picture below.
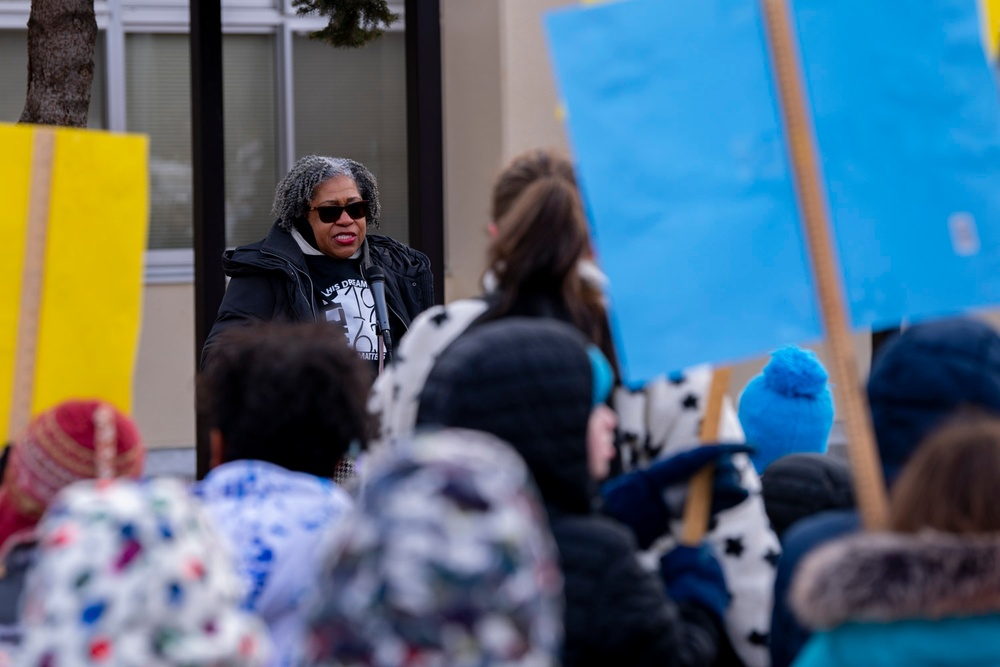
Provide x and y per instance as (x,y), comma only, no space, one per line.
(76,440)
(285,403)
(131,574)
(927,593)
(538,385)
(919,379)
(539,266)
(446,562)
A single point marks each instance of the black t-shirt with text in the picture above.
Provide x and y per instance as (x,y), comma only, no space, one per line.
(345,301)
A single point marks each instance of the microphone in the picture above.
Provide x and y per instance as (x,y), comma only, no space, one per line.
(376,283)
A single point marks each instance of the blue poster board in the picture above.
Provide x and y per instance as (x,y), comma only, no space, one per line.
(682,159)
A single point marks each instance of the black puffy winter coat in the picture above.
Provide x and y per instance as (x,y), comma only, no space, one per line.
(270,281)
(528,381)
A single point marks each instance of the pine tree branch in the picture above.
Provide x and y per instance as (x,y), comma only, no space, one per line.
(353,23)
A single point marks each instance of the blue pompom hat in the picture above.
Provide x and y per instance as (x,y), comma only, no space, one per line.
(788,408)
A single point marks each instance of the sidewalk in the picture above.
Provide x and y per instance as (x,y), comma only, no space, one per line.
(174,462)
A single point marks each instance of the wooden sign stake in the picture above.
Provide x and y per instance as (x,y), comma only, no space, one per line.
(698,506)
(869,484)
(43,152)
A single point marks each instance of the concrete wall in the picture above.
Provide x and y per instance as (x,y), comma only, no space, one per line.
(164,376)
(473,136)
(499,100)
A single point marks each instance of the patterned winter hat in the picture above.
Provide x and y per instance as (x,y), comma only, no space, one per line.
(130,574)
(76,440)
(446,562)
(788,408)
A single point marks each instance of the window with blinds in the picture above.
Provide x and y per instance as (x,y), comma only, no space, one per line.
(347,102)
(250,101)
(158,92)
(14,78)
(158,103)
(352,103)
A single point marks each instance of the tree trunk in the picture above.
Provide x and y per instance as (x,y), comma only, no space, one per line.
(61,37)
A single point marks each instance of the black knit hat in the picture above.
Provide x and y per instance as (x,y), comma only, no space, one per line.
(527,381)
(925,374)
(797,486)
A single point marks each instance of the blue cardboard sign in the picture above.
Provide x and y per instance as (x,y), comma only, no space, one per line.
(675,126)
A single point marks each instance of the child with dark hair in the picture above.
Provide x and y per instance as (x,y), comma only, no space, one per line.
(284,402)
(289,394)
(927,593)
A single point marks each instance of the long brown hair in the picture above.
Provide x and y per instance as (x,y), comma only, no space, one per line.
(542,238)
(524,170)
(950,483)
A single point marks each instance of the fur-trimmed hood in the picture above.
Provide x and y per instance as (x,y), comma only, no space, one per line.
(885,577)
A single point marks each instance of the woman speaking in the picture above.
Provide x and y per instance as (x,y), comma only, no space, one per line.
(315,263)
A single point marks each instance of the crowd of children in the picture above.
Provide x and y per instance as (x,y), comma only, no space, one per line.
(508,501)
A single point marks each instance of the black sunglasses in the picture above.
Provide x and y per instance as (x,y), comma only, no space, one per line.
(356,210)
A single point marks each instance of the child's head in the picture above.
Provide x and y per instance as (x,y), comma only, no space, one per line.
(949,484)
(75,440)
(290,394)
(447,560)
(788,408)
(133,573)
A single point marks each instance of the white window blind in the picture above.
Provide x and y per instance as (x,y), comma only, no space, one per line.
(159,103)
(250,108)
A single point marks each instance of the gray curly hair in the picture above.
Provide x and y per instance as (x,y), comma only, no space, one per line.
(291,197)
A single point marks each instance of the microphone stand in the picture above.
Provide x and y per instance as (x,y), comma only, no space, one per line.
(376,282)
(381,353)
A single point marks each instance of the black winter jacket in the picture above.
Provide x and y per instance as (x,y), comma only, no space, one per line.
(528,381)
(270,281)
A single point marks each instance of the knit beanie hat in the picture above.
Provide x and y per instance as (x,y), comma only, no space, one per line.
(923,375)
(77,439)
(801,485)
(788,408)
(447,560)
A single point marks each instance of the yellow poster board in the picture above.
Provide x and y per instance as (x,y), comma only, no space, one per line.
(990,12)
(73,225)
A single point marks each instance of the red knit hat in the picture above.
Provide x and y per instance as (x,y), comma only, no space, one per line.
(77,439)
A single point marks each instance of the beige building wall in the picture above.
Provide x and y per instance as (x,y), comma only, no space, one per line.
(163,405)
(473,134)
(499,100)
